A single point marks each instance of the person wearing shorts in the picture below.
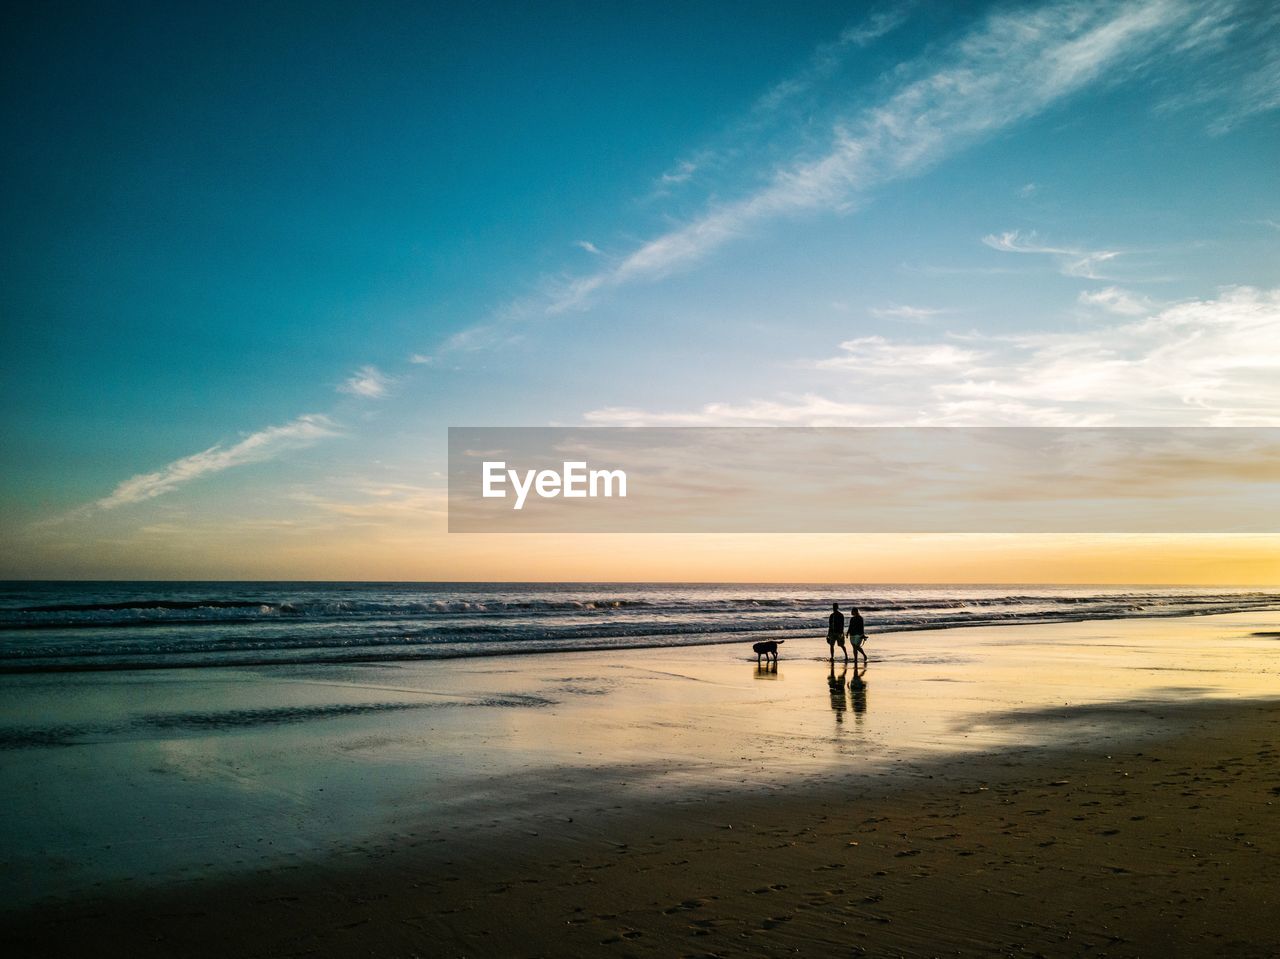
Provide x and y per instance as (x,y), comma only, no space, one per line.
(835,632)
(857,635)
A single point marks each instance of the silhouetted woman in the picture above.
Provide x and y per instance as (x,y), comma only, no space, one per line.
(857,634)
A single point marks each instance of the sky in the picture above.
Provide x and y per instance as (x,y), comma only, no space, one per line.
(259,257)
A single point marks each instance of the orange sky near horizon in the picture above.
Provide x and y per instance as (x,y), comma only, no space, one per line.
(406,554)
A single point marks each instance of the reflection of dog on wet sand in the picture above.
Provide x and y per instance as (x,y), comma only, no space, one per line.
(767,649)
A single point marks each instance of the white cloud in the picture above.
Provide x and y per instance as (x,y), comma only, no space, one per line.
(785,99)
(1012,66)
(1237,66)
(369,382)
(264,445)
(1201,362)
(876,356)
(917,314)
(379,503)
(805,410)
(1115,300)
(1205,362)
(828,57)
(422,359)
(682,172)
(1071,261)
(1028,190)
(588,246)
(1257,92)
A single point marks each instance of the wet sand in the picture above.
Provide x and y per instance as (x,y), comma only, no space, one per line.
(1064,790)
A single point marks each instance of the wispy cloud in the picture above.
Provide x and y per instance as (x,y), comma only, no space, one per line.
(877,356)
(682,172)
(1238,65)
(827,59)
(1012,66)
(1200,362)
(1115,300)
(256,447)
(588,247)
(369,382)
(379,503)
(1071,261)
(915,314)
(788,410)
(780,103)
(971,270)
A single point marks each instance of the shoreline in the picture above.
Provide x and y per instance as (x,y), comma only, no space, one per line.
(459,808)
(745,636)
(1161,845)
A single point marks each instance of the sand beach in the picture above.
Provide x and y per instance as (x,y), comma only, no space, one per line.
(1068,789)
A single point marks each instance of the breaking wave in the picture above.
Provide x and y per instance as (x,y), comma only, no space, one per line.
(90,626)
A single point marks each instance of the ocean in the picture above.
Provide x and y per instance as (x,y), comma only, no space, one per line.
(71,626)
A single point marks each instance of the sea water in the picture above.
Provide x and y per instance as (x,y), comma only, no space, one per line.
(62,626)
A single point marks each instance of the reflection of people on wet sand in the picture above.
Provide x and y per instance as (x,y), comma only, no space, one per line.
(835,632)
(857,635)
(858,691)
(839,701)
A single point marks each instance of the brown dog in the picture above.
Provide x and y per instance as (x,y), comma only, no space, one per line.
(767,649)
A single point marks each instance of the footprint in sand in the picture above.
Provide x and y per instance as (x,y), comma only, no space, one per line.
(704,927)
(686,906)
(628,934)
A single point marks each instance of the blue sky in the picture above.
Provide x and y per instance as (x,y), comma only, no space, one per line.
(259,257)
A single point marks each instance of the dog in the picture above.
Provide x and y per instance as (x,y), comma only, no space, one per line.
(767,649)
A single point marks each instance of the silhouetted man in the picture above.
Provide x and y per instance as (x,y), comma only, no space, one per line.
(835,632)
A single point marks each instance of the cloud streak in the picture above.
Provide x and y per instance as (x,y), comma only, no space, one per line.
(255,448)
(369,382)
(828,57)
(781,102)
(1071,261)
(876,356)
(1115,300)
(806,409)
(1012,66)
(1239,66)
(913,314)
